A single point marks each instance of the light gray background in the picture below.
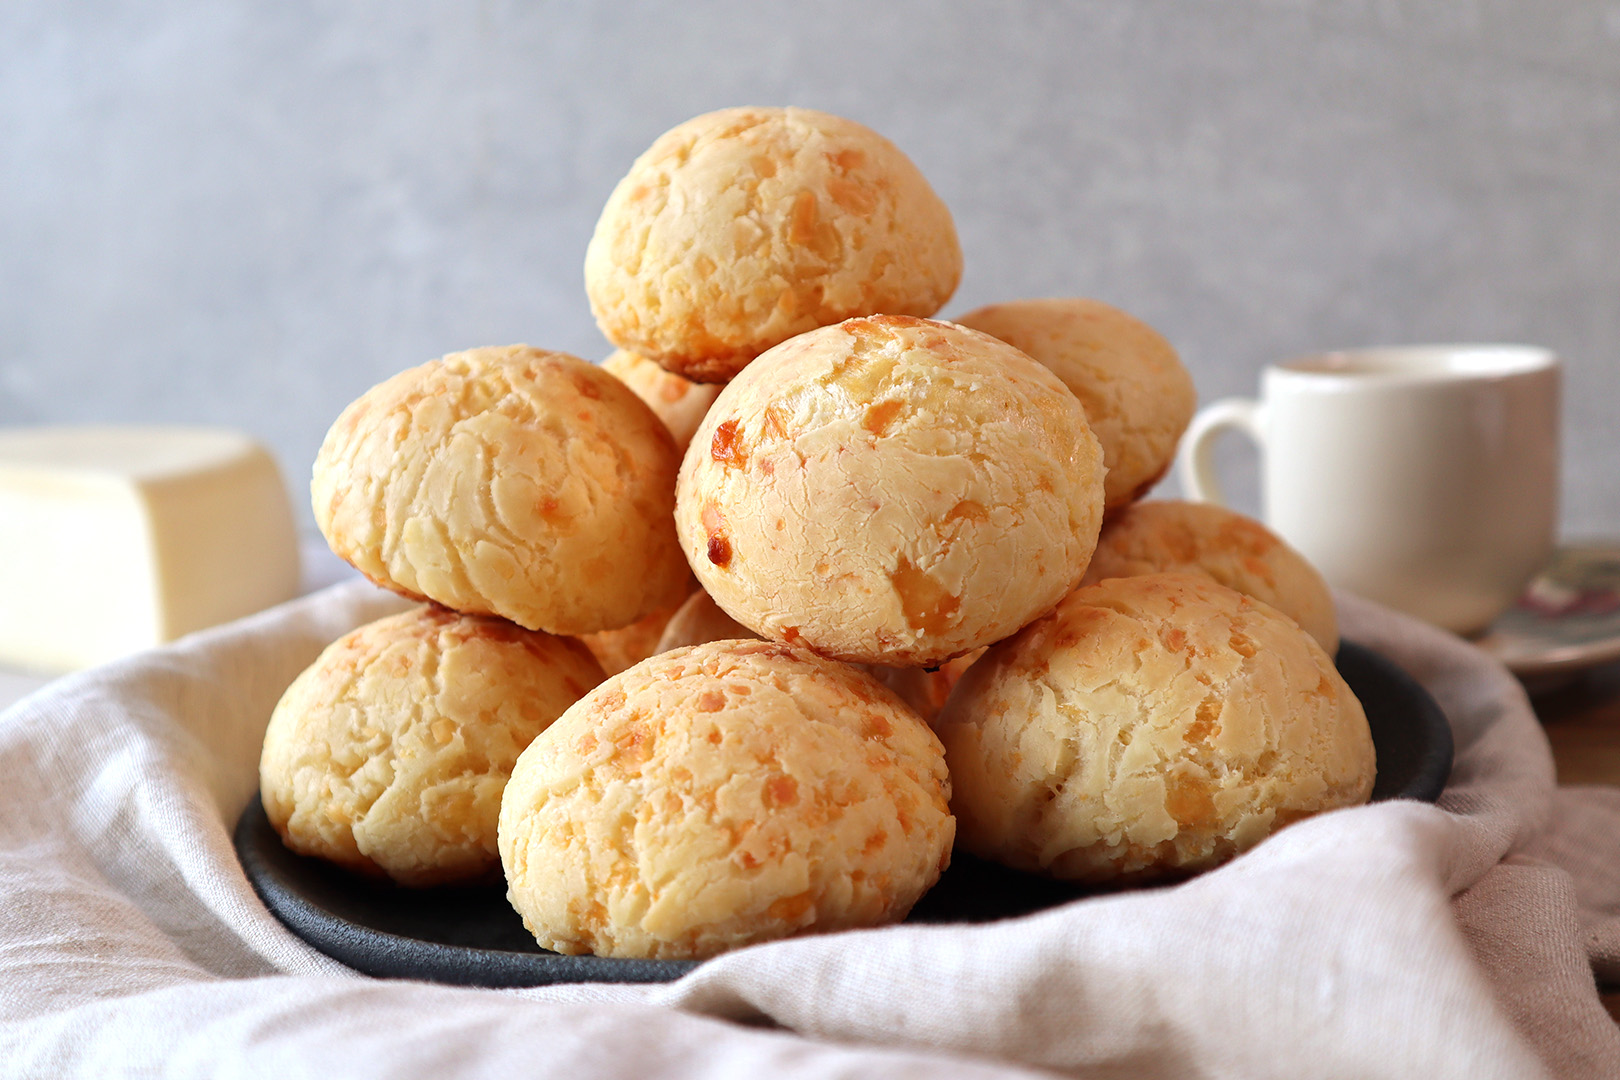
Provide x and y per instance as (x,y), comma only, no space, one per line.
(245,212)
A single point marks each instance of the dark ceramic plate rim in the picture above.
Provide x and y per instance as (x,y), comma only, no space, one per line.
(1411,734)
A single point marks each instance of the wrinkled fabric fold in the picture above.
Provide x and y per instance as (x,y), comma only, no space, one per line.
(1397,939)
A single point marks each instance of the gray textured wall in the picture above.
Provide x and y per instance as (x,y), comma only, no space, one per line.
(246,212)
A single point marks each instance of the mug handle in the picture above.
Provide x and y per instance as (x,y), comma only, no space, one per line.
(1195,463)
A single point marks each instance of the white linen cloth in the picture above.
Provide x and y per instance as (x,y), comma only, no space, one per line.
(1392,940)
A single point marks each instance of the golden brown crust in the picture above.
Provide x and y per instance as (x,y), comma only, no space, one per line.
(1237,551)
(1137,395)
(1150,725)
(738,229)
(722,795)
(507,481)
(679,403)
(892,491)
(389,753)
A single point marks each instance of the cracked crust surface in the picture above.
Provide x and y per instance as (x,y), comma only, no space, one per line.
(679,403)
(1200,538)
(507,481)
(891,490)
(1138,396)
(722,795)
(388,755)
(741,228)
(1149,726)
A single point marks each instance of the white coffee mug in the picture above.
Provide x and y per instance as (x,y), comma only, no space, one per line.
(1423,477)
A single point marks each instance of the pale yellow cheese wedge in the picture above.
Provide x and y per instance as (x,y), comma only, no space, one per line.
(114,539)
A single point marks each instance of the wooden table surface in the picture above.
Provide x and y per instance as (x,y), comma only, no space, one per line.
(1583,725)
(1582,721)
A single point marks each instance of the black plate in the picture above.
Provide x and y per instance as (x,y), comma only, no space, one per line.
(472,937)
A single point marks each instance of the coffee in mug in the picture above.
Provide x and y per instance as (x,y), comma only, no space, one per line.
(1422,477)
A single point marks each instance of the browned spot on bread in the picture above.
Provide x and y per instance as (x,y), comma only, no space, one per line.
(880,417)
(849,195)
(713,519)
(1187,799)
(1206,721)
(848,159)
(968,510)
(727,446)
(634,746)
(711,701)
(781,791)
(927,605)
(714,524)
(776,422)
(791,908)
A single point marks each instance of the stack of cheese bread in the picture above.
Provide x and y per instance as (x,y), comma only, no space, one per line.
(927,608)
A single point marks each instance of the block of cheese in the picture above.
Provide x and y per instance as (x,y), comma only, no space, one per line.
(114,539)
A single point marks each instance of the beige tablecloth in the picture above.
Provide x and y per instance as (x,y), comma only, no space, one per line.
(1399,940)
